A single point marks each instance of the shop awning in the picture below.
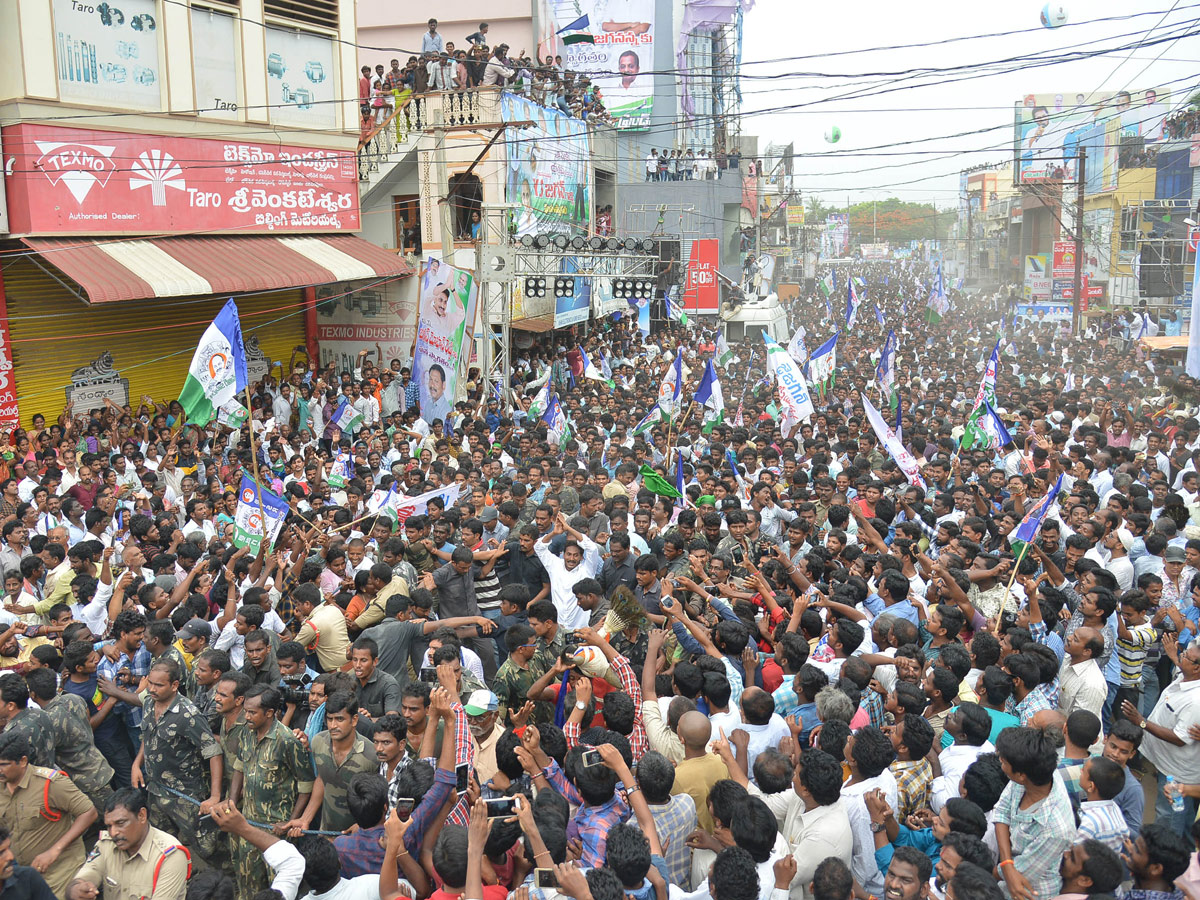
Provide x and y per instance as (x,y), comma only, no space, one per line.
(536,324)
(1159,342)
(119,269)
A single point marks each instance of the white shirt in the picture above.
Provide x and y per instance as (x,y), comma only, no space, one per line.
(863,862)
(288,865)
(1081,686)
(954,760)
(813,835)
(762,737)
(232,643)
(563,581)
(1178,708)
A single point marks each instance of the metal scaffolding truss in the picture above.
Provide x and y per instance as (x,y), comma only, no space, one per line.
(589,265)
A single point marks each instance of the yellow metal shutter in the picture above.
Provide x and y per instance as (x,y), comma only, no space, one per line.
(55,334)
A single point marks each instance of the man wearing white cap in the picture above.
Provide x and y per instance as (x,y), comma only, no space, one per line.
(481,707)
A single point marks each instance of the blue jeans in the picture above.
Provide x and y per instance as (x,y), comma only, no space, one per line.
(1106,714)
(1150,689)
(1180,822)
(493,615)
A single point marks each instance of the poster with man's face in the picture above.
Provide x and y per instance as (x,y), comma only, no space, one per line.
(444,324)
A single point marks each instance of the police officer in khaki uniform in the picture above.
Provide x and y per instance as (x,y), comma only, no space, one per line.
(44,811)
(132,860)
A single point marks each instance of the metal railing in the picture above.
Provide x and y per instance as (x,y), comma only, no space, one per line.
(375,150)
(419,112)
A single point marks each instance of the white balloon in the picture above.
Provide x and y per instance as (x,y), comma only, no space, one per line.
(1053,15)
(833,134)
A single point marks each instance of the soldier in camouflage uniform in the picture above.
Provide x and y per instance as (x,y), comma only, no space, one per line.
(517,675)
(179,751)
(160,641)
(74,747)
(229,695)
(272,781)
(339,753)
(18,717)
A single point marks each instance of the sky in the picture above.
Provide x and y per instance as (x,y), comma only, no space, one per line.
(781,68)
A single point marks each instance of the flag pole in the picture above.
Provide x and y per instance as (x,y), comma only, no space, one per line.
(1008,588)
(254,462)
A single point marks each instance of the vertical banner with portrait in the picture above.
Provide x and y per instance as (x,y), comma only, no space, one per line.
(547,176)
(611,41)
(445,326)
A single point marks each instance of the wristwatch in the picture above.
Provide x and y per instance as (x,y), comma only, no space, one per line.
(581,706)
(877,827)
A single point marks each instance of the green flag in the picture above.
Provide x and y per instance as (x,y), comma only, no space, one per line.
(656,484)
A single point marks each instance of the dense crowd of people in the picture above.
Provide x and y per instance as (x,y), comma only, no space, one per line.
(809,676)
(441,66)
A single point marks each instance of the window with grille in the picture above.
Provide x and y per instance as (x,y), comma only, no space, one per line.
(323,13)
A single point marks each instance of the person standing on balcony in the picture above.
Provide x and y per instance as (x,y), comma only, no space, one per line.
(479,38)
(497,72)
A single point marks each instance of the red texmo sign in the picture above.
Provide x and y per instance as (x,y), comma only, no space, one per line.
(98,182)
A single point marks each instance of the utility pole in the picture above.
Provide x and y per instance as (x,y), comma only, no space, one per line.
(1080,171)
(970,232)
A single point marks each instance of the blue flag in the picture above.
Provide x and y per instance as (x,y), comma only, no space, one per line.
(1029,526)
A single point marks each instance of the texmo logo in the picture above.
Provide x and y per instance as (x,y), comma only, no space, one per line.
(78,166)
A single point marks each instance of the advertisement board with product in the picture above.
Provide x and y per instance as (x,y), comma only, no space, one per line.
(701,293)
(1063,265)
(445,324)
(215,63)
(547,173)
(107,54)
(84,181)
(612,42)
(350,320)
(301,79)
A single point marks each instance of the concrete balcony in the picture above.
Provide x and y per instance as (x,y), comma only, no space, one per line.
(389,142)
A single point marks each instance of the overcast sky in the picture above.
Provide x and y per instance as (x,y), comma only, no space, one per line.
(941,108)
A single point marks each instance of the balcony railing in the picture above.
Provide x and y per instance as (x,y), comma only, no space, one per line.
(418,113)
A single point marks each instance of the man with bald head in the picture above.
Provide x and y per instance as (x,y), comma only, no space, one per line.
(1081,680)
(700,770)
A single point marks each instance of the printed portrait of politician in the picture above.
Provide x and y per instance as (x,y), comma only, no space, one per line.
(622,15)
(434,402)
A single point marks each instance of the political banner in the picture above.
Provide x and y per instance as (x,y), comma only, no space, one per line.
(547,177)
(896,449)
(250,529)
(795,402)
(445,323)
(611,41)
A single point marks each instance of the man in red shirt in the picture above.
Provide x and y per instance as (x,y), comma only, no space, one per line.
(85,489)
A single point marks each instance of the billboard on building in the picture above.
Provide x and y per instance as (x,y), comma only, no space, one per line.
(701,293)
(301,78)
(835,238)
(612,42)
(85,181)
(108,55)
(350,319)
(216,57)
(547,176)
(1048,129)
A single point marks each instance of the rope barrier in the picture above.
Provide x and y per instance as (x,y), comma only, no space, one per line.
(262,825)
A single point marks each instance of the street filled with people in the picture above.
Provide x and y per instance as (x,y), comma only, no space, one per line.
(656,617)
